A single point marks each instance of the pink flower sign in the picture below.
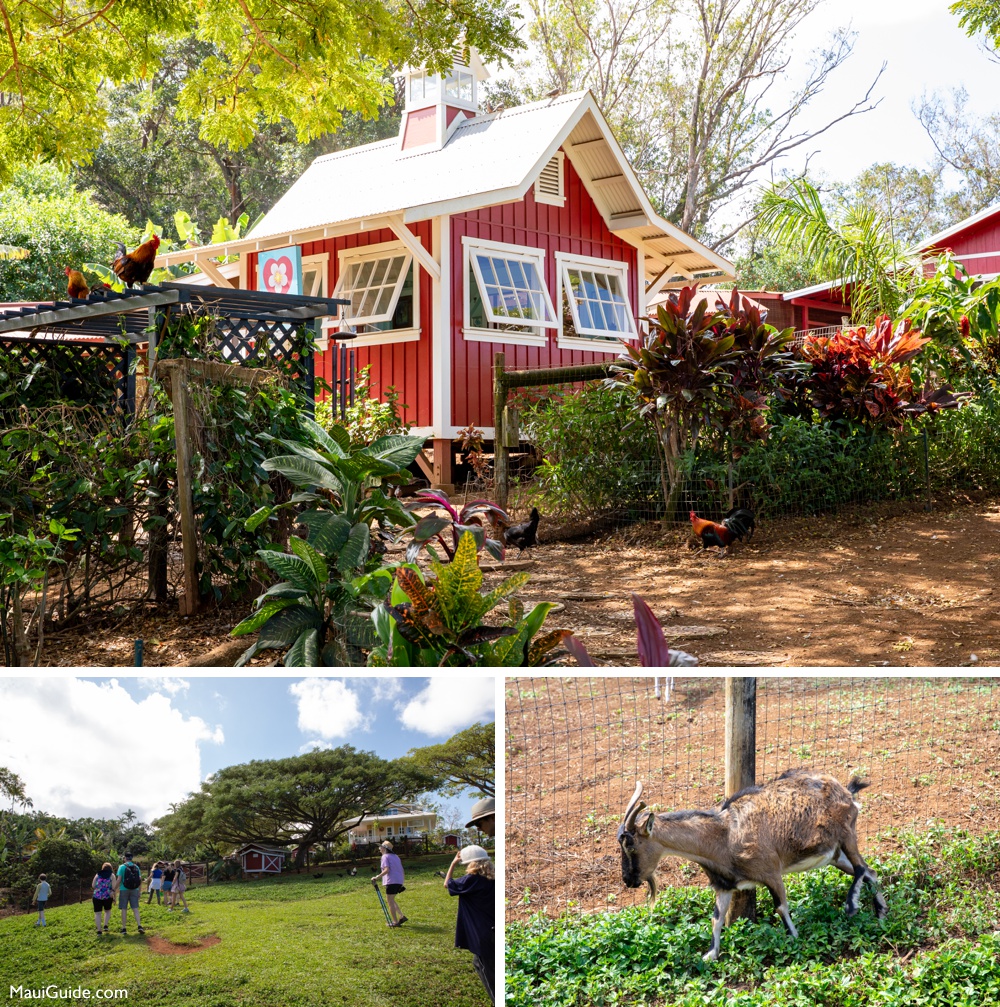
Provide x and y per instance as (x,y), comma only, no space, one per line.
(279,271)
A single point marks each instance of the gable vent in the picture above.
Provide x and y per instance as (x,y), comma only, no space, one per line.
(551,185)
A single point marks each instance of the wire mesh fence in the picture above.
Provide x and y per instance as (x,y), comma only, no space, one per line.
(576,746)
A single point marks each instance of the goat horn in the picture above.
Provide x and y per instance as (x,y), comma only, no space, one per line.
(634,807)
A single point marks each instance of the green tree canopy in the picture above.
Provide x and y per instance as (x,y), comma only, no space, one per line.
(307,61)
(300,801)
(67,858)
(467,761)
(151,162)
(12,788)
(60,226)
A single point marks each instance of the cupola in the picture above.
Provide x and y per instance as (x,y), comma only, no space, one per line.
(437,104)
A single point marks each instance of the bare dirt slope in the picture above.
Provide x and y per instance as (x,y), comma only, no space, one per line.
(906,588)
(909,589)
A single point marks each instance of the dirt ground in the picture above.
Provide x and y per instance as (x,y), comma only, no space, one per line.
(929,747)
(890,587)
(882,589)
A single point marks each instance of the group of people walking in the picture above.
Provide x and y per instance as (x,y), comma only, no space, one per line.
(167,880)
(475,890)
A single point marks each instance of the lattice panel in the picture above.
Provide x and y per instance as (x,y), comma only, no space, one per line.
(82,372)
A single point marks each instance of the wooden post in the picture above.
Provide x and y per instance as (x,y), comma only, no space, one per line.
(741,764)
(499,450)
(185,496)
(442,467)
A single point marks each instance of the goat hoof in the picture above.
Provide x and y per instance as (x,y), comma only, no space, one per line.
(851,911)
(880,910)
(711,956)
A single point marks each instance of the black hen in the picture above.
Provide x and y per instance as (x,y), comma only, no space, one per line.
(523,535)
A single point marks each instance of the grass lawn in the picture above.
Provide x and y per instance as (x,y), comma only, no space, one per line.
(939,946)
(295,942)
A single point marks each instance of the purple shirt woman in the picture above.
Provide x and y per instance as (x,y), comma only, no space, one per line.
(392,879)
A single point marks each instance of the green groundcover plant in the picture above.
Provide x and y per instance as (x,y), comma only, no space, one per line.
(939,946)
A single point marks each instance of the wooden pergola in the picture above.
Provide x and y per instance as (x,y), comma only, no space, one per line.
(107,322)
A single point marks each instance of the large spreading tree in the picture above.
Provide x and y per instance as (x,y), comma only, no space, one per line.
(690,88)
(299,801)
(466,761)
(308,62)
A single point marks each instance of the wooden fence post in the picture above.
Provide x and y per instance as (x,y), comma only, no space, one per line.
(499,449)
(741,765)
(185,499)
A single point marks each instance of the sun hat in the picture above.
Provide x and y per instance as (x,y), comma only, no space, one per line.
(480,810)
(471,853)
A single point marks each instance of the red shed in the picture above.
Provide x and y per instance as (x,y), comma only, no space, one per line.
(523,230)
(257,859)
(975,242)
(451,839)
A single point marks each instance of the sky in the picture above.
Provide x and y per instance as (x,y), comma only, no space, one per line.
(925,51)
(98,746)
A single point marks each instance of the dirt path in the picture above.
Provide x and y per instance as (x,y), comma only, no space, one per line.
(905,590)
(910,589)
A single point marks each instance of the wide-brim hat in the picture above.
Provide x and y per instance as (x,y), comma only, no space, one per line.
(482,809)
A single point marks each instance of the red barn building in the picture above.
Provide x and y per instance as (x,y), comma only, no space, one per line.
(256,859)
(522,230)
(975,242)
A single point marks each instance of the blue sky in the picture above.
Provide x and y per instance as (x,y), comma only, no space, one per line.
(94,746)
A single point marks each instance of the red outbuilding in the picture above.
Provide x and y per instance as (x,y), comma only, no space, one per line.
(522,230)
(256,859)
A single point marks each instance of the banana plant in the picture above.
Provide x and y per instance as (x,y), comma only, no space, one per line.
(439,620)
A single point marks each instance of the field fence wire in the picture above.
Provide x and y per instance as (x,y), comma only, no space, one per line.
(576,746)
(609,492)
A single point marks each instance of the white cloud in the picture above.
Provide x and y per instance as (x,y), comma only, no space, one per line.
(169,685)
(447,705)
(88,748)
(315,746)
(328,708)
(384,689)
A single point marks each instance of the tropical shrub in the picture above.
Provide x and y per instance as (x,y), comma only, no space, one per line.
(860,376)
(319,612)
(438,620)
(369,418)
(699,372)
(476,517)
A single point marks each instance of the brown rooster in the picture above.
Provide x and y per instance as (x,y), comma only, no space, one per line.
(77,286)
(135,267)
(739,523)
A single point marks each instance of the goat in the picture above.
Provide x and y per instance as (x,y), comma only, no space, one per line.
(798,822)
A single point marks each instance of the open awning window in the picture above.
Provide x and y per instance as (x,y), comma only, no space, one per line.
(512,288)
(373,283)
(598,298)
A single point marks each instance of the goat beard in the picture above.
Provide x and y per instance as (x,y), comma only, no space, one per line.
(651,881)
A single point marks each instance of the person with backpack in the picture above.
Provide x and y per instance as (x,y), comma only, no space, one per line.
(104,896)
(129,884)
(41,896)
(474,927)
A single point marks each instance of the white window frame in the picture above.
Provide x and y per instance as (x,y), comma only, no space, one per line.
(537,335)
(604,342)
(323,273)
(334,327)
(548,198)
(321,259)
